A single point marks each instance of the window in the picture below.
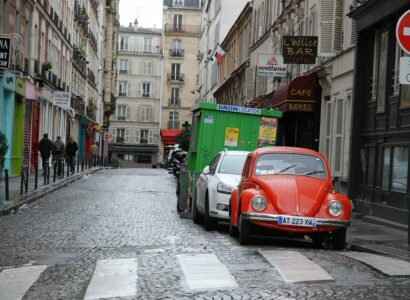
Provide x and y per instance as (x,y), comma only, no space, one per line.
(123,88)
(146,90)
(144,136)
(173,122)
(177,22)
(174,96)
(120,135)
(123,66)
(395,168)
(380,69)
(121,112)
(176,48)
(145,114)
(232,164)
(178,2)
(143,158)
(124,46)
(147,44)
(147,67)
(175,71)
(129,157)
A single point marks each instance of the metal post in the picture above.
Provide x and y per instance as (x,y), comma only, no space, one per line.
(69,166)
(35,175)
(21,180)
(78,165)
(48,173)
(6,178)
(62,169)
(45,176)
(54,171)
(82,164)
(26,180)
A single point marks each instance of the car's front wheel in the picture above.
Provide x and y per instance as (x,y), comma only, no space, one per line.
(209,222)
(244,236)
(339,239)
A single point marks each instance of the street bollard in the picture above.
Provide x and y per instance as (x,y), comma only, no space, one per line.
(78,165)
(48,174)
(35,175)
(45,176)
(54,171)
(26,183)
(68,168)
(61,169)
(6,178)
(22,180)
(82,165)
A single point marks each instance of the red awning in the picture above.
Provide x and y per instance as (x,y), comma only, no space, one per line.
(168,135)
(297,95)
(261,101)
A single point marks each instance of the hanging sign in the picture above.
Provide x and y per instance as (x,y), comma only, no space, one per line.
(4,53)
(231,137)
(62,99)
(271,65)
(299,49)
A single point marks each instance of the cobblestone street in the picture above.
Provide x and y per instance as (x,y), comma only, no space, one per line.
(131,214)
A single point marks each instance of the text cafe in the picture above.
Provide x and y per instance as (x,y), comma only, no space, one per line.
(300,102)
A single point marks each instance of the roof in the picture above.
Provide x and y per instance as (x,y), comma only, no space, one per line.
(280,149)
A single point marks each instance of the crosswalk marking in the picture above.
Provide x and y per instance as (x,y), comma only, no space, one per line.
(113,278)
(205,271)
(295,267)
(15,282)
(386,265)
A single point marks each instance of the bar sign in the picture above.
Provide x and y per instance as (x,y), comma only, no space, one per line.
(5,53)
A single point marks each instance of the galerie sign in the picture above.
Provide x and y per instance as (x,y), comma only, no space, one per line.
(299,49)
(4,52)
(62,99)
(271,65)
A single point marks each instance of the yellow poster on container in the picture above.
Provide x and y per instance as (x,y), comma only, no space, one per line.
(231,137)
(267,130)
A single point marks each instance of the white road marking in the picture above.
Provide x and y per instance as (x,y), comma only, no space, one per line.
(387,265)
(295,267)
(14,283)
(406,31)
(205,271)
(113,278)
(172,239)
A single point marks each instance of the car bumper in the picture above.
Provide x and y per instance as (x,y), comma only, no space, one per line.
(270,218)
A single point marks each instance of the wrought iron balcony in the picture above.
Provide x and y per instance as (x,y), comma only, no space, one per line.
(176,52)
(173,124)
(174,102)
(176,77)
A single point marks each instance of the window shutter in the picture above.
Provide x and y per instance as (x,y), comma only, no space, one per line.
(129,67)
(142,114)
(331,27)
(132,136)
(338,136)
(250,83)
(128,113)
(113,135)
(137,136)
(129,89)
(139,90)
(131,44)
(141,45)
(127,135)
(148,114)
(154,45)
(116,113)
(152,90)
(150,138)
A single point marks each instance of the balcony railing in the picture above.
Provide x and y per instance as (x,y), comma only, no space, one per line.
(173,125)
(92,39)
(174,102)
(122,94)
(188,29)
(175,77)
(79,60)
(91,76)
(176,52)
(123,71)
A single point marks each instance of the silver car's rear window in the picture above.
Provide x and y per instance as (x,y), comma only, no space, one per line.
(232,164)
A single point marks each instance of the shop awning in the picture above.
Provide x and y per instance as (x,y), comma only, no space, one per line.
(297,95)
(168,135)
(263,101)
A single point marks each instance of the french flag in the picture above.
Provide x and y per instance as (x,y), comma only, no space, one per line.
(219,54)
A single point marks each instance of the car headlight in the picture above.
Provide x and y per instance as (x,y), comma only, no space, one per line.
(258,203)
(223,188)
(335,208)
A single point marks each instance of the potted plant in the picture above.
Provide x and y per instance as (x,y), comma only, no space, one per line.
(3,150)
(47,65)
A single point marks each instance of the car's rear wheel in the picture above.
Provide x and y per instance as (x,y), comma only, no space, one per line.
(339,239)
(244,235)
(209,222)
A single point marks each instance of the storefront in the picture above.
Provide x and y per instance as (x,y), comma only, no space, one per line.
(300,102)
(31,125)
(133,156)
(168,139)
(380,152)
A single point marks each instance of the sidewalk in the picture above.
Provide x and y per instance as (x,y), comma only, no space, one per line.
(16,199)
(368,237)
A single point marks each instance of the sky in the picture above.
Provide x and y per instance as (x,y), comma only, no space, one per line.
(148,12)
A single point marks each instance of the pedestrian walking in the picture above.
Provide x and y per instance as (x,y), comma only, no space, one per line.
(45,146)
(94,151)
(70,152)
(58,154)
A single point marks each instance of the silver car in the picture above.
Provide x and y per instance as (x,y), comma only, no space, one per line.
(214,187)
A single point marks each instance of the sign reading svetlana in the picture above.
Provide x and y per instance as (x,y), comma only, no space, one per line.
(299,49)
(4,52)
(271,65)
(62,99)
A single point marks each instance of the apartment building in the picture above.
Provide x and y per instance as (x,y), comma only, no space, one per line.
(181,37)
(135,125)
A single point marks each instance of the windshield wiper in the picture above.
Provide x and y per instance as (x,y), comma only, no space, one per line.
(287,168)
(313,172)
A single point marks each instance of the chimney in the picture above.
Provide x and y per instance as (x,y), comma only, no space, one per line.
(135,24)
(130,26)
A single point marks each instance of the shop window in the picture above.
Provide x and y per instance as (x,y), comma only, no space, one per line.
(386,168)
(395,169)
(143,159)
(129,157)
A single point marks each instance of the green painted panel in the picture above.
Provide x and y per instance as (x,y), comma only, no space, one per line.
(17,146)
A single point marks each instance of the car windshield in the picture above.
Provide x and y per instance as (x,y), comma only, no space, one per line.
(290,164)
(232,164)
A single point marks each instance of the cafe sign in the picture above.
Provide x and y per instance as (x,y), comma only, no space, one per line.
(4,53)
(299,49)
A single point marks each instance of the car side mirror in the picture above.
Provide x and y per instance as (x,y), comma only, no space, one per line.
(206,170)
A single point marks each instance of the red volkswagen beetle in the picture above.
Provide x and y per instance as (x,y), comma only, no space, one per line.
(288,190)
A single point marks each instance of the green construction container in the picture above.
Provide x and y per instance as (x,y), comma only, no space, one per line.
(216,127)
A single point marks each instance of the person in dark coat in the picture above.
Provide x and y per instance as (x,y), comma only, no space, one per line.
(45,146)
(58,154)
(70,152)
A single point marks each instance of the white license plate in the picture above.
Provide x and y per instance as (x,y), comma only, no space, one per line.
(296,221)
